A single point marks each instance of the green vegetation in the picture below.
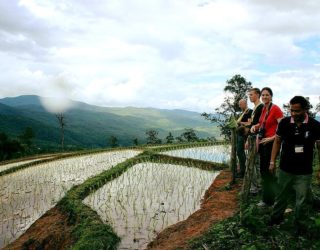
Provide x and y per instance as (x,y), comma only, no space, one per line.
(253,232)
(113,141)
(27,137)
(152,137)
(169,138)
(88,126)
(9,148)
(14,148)
(162,148)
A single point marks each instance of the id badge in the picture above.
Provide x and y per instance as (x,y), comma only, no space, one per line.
(298,149)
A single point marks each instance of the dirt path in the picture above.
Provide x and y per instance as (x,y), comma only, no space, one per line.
(52,231)
(218,204)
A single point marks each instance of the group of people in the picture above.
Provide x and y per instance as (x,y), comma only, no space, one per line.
(294,137)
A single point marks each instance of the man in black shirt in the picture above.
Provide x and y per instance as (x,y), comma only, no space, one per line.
(296,136)
(254,96)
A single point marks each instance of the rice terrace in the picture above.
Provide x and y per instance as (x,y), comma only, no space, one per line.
(184,192)
(112,199)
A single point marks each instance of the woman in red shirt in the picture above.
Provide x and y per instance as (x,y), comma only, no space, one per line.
(266,128)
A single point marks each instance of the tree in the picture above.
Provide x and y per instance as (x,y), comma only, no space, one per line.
(212,139)
(235,89)
(3,143)
(27,136)
(62,124)
(169,138)
(318,107)
(113,141)
(8,148)
(135,141)
(179,139)
(311,110)
(286,109)
(189,135)
(3,137)
(152,137)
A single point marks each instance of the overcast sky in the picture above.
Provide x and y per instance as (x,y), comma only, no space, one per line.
(158,53)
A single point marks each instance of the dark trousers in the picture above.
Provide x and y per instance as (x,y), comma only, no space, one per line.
(268,180)
(241,153)
(289,186)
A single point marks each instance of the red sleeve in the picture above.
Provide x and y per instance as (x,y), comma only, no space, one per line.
(277,112)
(272,123)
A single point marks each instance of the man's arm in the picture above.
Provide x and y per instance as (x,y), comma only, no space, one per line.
(275,150)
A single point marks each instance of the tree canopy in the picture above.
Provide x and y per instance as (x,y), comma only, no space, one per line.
(189,135)
(9,148)
(236,89)
(27,136)
(152,137)
(169,138)
(113,141)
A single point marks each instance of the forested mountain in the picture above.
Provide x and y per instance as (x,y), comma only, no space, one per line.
(92,126)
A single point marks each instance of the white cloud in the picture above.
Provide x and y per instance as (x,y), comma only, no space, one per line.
(289,83)
(166,54)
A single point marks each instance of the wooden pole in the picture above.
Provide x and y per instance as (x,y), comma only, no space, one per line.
(250,165)
(233,158)
(249,174)
(318,172)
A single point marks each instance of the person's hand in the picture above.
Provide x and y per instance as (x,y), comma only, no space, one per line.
(253,129)
(266,140)
(246,145)
(272,167)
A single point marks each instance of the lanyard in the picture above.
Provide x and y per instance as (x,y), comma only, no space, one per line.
(263,125)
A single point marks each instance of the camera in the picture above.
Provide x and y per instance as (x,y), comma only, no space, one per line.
(261,133)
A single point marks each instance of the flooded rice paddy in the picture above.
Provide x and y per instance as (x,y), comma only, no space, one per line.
(218,153)
(27,194)
(148,198)
(19,163)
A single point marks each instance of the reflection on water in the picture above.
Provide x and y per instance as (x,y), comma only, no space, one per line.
(218,153)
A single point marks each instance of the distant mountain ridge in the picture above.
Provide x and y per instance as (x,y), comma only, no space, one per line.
(21,100)
(91,126)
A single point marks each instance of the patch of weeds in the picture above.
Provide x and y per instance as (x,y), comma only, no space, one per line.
(251,232)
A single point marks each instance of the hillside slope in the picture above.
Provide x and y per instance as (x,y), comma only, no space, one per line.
(91,126)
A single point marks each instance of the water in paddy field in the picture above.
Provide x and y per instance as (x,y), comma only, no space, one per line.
(148,198)
(218,153)
(27,194)
(19,163)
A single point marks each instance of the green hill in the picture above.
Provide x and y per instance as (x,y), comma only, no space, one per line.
(90,126)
